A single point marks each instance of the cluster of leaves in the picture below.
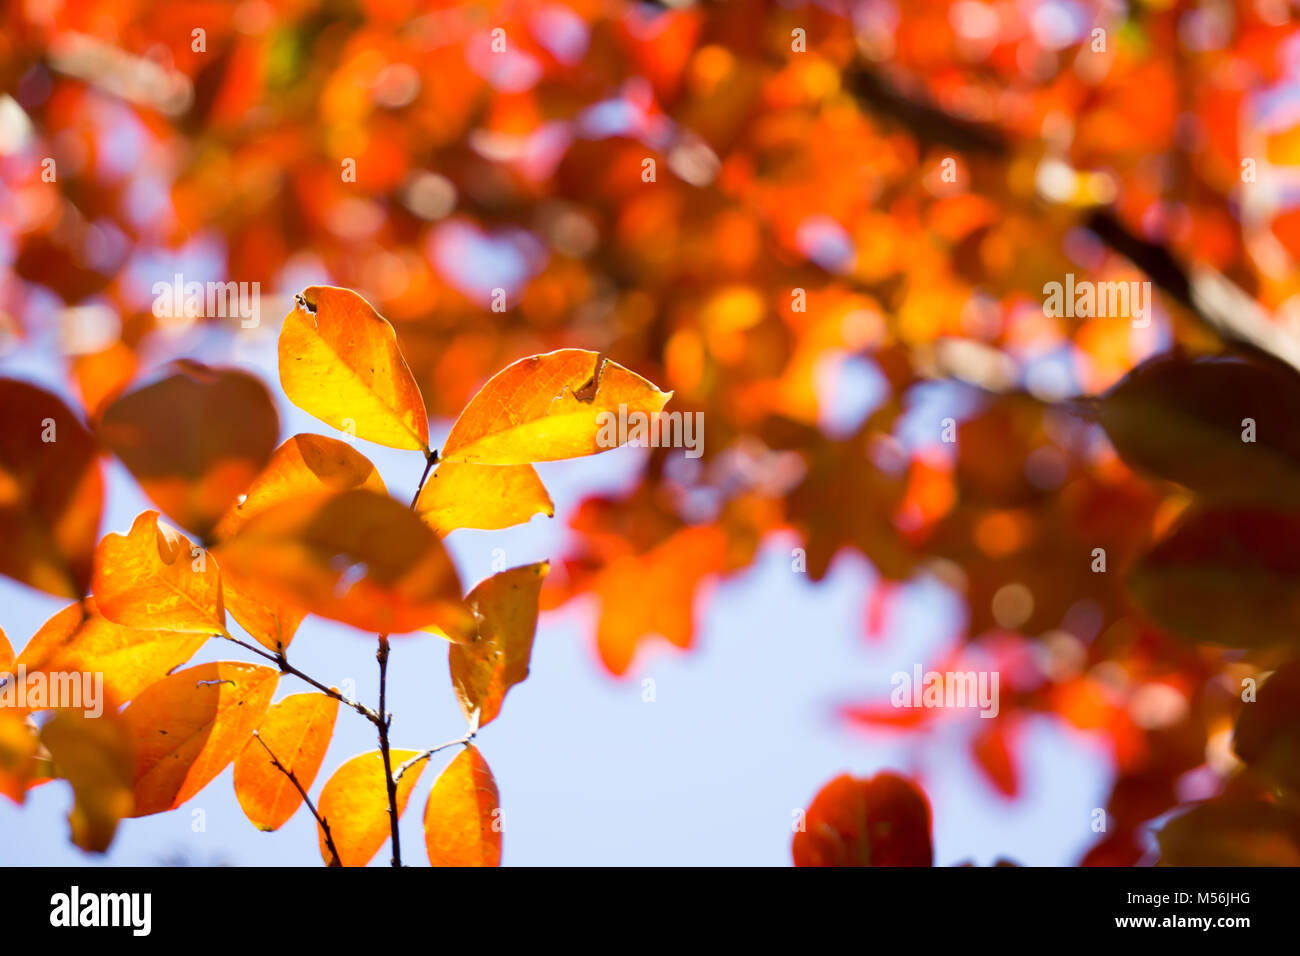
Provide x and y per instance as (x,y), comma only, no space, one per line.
(801,231)
(305,527)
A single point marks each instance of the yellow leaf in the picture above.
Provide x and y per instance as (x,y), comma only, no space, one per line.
(506,608)
(94,755)
(339,361)
(154,578)
(188,727)
(354,802)
(462,820)
(298,731)
(486,497)
(130,658)
(549,407)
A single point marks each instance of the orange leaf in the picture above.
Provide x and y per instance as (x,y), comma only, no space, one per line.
(1267,735)
(297,730)
(549,407)
(880,821)
(154,578)
(505,606)
(462,820)
(357,557)
(77,639)
(94,755)
(51,492)
(1232,831)
(18,748)
(6,652)
(486,497)
(194,440)
(188,727)
(303,465)
(354,802)
(339,361)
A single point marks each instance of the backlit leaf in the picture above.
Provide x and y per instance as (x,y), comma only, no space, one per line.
(486,497)
(298,731)
(462,820)
(482,671)
(357,557)
(549,407)
(194,440)
(154,578)
(130,658)
(51,492)
(354,802)
(188,727)
(339,361)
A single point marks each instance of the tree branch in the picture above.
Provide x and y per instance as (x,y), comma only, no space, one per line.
(282,662)
(429,753)
(293,779)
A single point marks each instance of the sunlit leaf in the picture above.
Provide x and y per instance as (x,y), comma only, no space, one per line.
(339,361)
(482,671)
(154,578)
(486,497)
(357,557)
(549,407)
(188,727)
(80,639)
(194,440)
(462,820)
(50,492)
(297,730)
(354,802)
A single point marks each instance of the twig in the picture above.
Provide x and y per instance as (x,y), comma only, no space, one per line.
(286,668)
(293,779)
(407,765)
(384,724)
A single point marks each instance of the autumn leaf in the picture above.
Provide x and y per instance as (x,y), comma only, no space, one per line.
(1228,577)
(298,731)
(194,440)
(486,497)
(482,671)
(304,465)
(1227,426)
(94,754)
(358,557)
(354,802)
(154,578)
(6,653)
(51,492)
(19,743)
(339,361)
(550,407)
(880,821)
(462,820)
(78,638)
(188,727)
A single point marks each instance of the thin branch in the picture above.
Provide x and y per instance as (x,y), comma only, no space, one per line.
(384,724)
(282,662)
(407,765)
(293,779)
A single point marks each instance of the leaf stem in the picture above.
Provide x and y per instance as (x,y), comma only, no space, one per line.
(286,668)
(429,753)
(293,779)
